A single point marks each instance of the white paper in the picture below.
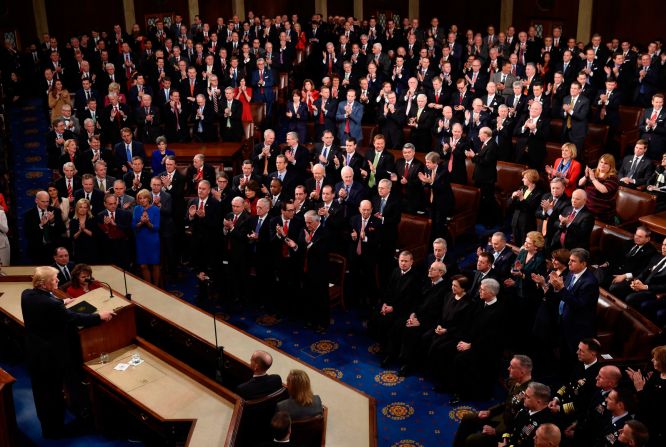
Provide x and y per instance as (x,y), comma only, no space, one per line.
(121,367)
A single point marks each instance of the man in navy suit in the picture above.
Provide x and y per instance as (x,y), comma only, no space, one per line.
(648,80)
(286,176)
(262,85)
(653,127)
(379,163)
(285,229)
(259,241)
(576,108)
(88,191)
(641,293)
(113,228)
(363,247)
(440,195)
(125,150)
(261,384)
(502,255)
(203,218)
(324,110)
(577,295)
(297,156)
(636,168)
(575,225)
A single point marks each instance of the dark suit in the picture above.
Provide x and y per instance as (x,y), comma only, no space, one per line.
(328,123)
(458,172)
(576,133)
(357,192)
(391,124)
(144,182)
(523,219)
(531,145)
(286,260)
(485,176)
(315,276)
(113,240)
(412,192)
(558,208)
(259,386)
(54,150)
(656,137)
(231,127)
(192,179)
(578,305)
(120,154)
(264,165)
(62,279)
(49,326)
(205,234)
(332,174)
(384,165)
(96,199)
(576,233)
(61,184)
(203,127)
(236,245)
(641,172)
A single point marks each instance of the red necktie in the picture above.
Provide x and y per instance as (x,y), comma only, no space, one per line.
(321,112)
(654,116)
(318,187)
(201,205)
(192,88)
(261,78)
(360,240)
(235,219)
(70,190)
(406,173)
(285,247)
(453,146)
(199,175)
(563,235)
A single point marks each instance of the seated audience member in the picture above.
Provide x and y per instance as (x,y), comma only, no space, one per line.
(81,282)
(636,168)
(551,207)
(601,185)
(547,435)
(631,260)
(63,264)
(261,384)
(567,168)
(280,429)
(502,256)
(302,403)
(656,185)
(634,434)
(575,224)
(534,413)
(487,425)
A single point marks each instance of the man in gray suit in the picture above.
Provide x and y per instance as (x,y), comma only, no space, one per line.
(125,202)
(504,80)
(103,182)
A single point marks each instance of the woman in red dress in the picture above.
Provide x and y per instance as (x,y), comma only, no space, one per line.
(81,273)
(309,94)
(302,38)
(244,95)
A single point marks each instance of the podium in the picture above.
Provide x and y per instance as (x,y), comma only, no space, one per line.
(108,336)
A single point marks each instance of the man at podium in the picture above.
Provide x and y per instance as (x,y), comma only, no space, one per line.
(48,325)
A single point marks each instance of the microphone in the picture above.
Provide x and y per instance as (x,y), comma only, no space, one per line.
(128,296)
(219,364)
(91,280)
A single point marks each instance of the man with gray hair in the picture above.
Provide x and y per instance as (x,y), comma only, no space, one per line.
(264,154)
(476,428)
(575,224)
(476,362)
(231,112)
(421,120)
(534,413)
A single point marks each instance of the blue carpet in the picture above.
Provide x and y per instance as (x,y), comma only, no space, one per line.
(28,128)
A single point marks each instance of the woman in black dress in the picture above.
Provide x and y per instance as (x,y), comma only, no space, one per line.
(440,341)
(651,390)
(524,203)
(81,229)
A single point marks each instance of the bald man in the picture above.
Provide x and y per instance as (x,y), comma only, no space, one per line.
(590,423)
(44,229)
(261,384)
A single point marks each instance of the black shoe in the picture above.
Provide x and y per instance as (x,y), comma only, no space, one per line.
(455,400)
(403,371)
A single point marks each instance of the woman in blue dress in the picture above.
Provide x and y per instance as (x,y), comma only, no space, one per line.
(159,154)
(146,225)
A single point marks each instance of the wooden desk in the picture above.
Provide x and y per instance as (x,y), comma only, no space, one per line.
(655,222)
(168,398)
(351,413)
(227,153)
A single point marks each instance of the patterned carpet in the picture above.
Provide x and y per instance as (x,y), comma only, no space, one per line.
(409,412)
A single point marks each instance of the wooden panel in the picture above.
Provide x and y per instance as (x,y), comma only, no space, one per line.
(618,18)
(525,12)
(340,8)
(19,15)
(80,16)
(143,7)
(465,15)
(108,336)
(210,11)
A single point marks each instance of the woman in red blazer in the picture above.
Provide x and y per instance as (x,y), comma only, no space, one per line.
(567,168)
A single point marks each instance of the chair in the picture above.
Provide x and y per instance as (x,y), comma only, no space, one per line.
(336,280)
(258,114)
(509,178)
(628,132)
(595,142)
(310,432)
(467,200)
(254,427)
(631,205)
(469,166)
(623,332)
(612,242)
(414,235)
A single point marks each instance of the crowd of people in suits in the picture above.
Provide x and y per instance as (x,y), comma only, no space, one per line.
(463,98)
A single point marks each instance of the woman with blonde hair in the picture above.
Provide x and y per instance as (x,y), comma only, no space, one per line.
(114,87)
(601,185)
(302,403)
(81,227)
(566,167)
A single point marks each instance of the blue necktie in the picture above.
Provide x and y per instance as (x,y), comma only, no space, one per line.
(569,287)
(258,227)
(129,153)
(381,206)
